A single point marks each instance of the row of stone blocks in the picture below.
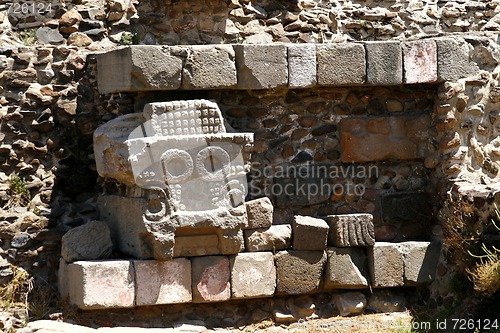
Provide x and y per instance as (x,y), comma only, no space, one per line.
(139,68)
(129,283)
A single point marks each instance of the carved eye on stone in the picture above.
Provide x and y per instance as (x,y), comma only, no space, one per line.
(177,166)
(213,164)
(156,207)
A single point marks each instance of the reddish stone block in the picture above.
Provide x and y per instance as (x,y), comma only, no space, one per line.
(384,138)
(210,279)
(420,61)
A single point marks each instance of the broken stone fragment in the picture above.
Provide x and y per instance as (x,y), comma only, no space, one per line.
(90,241)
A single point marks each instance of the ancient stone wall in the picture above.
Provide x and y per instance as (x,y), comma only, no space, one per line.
(50,106)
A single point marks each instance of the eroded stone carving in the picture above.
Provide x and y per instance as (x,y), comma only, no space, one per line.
(191,175)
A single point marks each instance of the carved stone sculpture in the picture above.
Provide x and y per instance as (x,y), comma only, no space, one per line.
(186,178)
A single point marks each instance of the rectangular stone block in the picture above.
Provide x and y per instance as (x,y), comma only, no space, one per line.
(309,233)
(253,275)
(420,61)
(384,138)
(301,65)
(261,66)
(196,245)
(346,268)
(386,262)
(140,68)
(259,213)
(453,59)
(276,237)
(101,284)
(163,282)
(124,219)
(351,230)
(298,272)
(420,261)
(210,281)
(384,63)
(209,67)
(341,64)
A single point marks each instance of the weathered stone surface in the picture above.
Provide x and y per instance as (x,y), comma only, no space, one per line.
(406,208)
(52,326)
(350,303)
(346,268)
(453,59)
(209,67)
(124,219)
(110,148)
(79,39)
(299,272)
(384,63)
(305,190)
(163,282)
(131,69)
(259,213)
(420,261)
(90,241)
(386,301)
(210,279)
(420,61)
(261,66)
(196,244)
(351,230)
(382,138)
(301,65)
(253,275)
(276,237)
(46,35)
(386,262)
(309,233)
(101,284)
(341,64)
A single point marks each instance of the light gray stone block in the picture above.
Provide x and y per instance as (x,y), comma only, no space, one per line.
(301,65)
(386,262)
(110,148)
(351,230)
(139,68)
(101,284)
(259,213)
(163,282)
(253,275)
(309,233)
(209,67)
(420,61)
(341,64)
(210,280)
(124,217)
(420,261)
(453,59)
(298,272)
(261,66)
(346,268)
(276,237)
(350,303)
(90,241)
(384,63)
